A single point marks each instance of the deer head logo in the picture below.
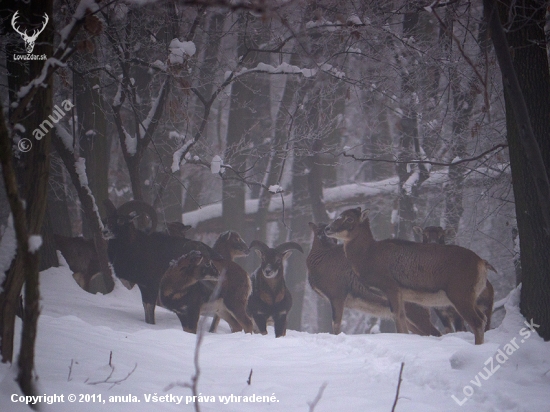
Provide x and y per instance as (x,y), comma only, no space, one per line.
(29,40)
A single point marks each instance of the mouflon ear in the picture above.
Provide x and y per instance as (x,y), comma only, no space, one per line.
(364,215)
(287,254)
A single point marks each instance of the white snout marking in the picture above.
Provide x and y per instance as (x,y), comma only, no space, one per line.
(270,275)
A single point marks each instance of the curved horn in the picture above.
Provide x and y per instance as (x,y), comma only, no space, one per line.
(177,228)
(139,206)
(283,247)
(192,254)
(261,246)
(207,251)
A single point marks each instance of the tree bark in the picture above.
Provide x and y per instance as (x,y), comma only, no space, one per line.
(527,95)
(48,255)
(133,159)
(24,269)
(92,131)
(303,201)
(279,152)
(410,143)
(206,73)
(319,212)
(463,103)
(242,118)
(58,208)
(300,214)
(89,207)
(27,221)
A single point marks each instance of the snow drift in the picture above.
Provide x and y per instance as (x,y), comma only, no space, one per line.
(78,332)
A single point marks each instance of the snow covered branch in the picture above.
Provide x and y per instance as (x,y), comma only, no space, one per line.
(148,126)
(135,145)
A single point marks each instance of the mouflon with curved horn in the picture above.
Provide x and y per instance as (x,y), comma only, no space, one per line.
(270,297)
(143,258)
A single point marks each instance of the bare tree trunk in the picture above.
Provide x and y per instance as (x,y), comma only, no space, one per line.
(410,178)
(233,204)
(58,208)
(307,129)
(242,118)
(319,212)
(279,151)
(464,99)
(133,158)
(24,269)
(300,214)
(27,222)
(92,131)
(206,74)
(143,131)
(47,253)
(88,205)
(527,95)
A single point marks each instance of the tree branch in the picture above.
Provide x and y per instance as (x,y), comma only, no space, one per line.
(398,387)
(497,148)
(317,398)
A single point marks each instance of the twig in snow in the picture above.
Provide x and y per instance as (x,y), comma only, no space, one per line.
(317,398)
(107,379)
(103,381)
(249,381)
(115,382)
(70,370)
(398,387)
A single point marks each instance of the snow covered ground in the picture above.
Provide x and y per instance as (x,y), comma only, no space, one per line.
(78,331)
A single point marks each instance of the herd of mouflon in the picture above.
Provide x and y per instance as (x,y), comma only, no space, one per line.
(392,278)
